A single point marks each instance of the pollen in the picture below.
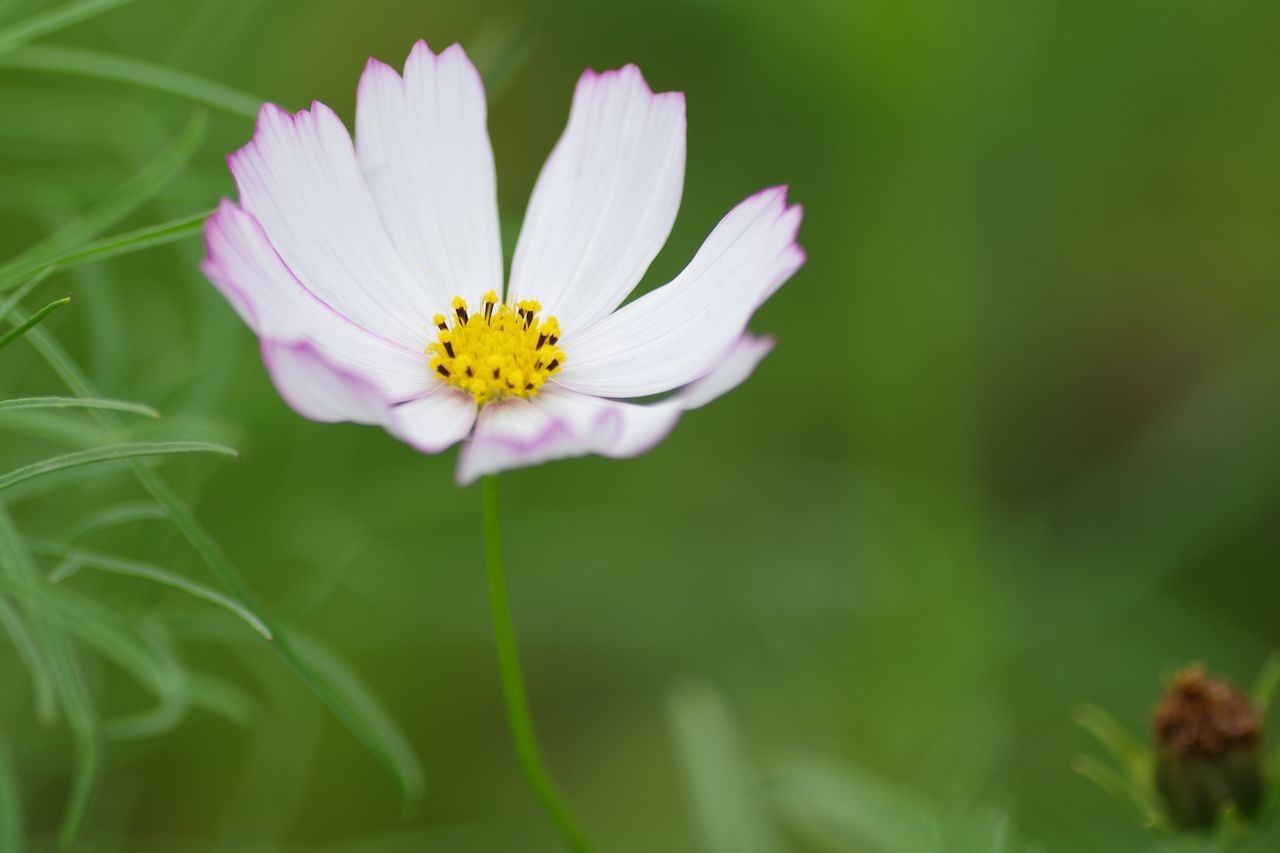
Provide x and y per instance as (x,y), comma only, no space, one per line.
(499,351)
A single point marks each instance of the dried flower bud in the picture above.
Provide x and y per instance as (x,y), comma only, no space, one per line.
(1208,749)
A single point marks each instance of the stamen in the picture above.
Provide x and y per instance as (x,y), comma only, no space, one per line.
(514,350)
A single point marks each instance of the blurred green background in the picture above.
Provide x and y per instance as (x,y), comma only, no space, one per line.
(1018,447)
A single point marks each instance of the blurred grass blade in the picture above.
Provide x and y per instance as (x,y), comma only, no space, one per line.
(68,681)
(101,250)
(717,774)
(42,686)
(132,568)
(32,321)
(135,72)
(25,403)
(110,453)
(1133,757)
(133,241)
(144,185)
(1264,686)
(112,516)
(356,708)
(43,23)
(20,294)
(1119,786)
(11,832)
(367,708)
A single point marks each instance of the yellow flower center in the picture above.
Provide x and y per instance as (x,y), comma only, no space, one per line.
(500,351)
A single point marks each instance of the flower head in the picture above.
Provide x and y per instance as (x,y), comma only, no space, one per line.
(371,271)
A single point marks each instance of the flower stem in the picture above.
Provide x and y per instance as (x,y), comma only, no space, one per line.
(518,716)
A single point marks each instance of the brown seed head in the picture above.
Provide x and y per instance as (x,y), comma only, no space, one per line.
(1206,716)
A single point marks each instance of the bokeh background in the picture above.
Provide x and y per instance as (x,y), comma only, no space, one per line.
(1018,447)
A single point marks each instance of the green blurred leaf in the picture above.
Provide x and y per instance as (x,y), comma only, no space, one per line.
(68,681)
(11,832)
(111,516)
(24,403)
(85,558)
(135,72)
(357,709)
(110,453)
(42,686)
(144,185)
(32,321)
(53,20)
(720,780)
(1264,686)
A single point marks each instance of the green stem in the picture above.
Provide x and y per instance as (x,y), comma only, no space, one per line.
(518,717)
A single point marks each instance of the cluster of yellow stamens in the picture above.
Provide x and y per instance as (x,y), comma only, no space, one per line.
(498,352)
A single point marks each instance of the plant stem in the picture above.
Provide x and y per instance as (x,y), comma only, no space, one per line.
(518,717)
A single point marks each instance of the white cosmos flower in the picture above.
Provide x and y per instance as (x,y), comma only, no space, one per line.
(370,271)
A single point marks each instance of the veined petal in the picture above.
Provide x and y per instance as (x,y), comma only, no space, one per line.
(424,149)
(317,389)
(678,333)
(605,201)
(560,423)
(300,179)
(433,422)
(240,261)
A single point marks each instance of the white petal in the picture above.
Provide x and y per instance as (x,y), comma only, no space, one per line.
(241,262)
(677,333)
(300,179)
(732,370)
(605,201)
(513,433)
(425,152)
(436,421)
(560,423)
(318,390)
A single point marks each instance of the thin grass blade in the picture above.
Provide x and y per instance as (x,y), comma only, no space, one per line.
(11,830)
(32,321)
(134,72)
(43,23)
(26,403)
(144,185)
(68,680)
(88,559)
(110,453)
(113,516)
(355,707)
(42,685)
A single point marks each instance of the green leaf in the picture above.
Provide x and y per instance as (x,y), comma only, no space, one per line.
(140,188)
(25,403)
(110,453)
(88,559)
(135,72)
(18,295)
(367,709)
(1132,755)
(720,780)
(1264,686)
(10,802)
(69,683)
(11,620)
(101,250)
(111,516)
(54,19)
(356,708)
(32,321)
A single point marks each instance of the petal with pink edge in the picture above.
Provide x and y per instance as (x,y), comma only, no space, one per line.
(299,178)
(424,149)
(605,201)
(679,332)
(435,421)
(240,261)
(560,423)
